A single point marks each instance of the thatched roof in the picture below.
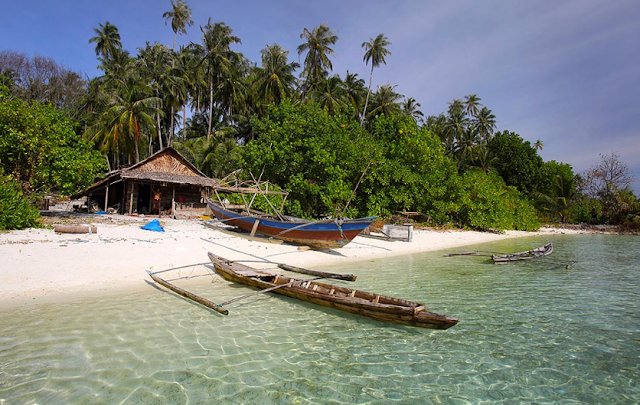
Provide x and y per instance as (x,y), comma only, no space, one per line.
(166,166)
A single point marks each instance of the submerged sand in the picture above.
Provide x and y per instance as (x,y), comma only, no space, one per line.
(40,266)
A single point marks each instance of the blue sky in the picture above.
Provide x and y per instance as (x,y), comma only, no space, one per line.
(564,72)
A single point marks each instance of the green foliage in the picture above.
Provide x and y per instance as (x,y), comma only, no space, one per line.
(320,159)
(15,211)
(317,157)
(517,162)
(409,171)
(559,191)
(40,149)
(216,157)
(585,210)
(485,201)
(269,203)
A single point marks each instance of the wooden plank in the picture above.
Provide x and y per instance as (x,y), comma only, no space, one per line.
(254,228)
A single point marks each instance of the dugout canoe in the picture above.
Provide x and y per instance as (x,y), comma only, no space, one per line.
(376,306)
(538,252)
(323,234)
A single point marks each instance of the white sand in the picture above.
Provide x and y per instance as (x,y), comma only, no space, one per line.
(40,266)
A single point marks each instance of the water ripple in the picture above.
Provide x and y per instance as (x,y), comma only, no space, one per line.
(527,334)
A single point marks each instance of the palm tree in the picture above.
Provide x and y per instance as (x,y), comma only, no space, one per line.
(457,121)
(180,16)
(107,40)
(439,125)
(331,95)
(376,53)
(215,157)
(466,143)
(117,67)
(564,198)
(317,62)
(483,158)
(471,103)
(410,108)
(385,101)
(217,58)
(538,145)
(155,64)
(275,79)
(354,90)
(127,119)
(186,67)
(485,124)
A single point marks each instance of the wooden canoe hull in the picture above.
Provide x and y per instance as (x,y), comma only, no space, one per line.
(541,251)
(379,307)
(318,234)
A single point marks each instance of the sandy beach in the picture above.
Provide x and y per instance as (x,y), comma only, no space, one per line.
(41,266)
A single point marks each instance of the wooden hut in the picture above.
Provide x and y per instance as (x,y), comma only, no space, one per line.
(163,183)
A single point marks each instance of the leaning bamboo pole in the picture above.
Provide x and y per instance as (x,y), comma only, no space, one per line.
(187,294)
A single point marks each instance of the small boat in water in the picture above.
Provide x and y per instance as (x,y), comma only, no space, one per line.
(324,234)
(358,302)
(541,251)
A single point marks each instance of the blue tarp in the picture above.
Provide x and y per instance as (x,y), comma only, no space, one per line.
(154,226)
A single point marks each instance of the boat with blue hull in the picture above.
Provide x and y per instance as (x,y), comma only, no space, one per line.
(323,234)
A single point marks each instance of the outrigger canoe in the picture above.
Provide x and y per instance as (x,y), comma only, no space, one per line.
(324,234)
(541,251)
(353,301)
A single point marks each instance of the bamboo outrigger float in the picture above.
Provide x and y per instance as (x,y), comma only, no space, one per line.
(358,302)
(200,300)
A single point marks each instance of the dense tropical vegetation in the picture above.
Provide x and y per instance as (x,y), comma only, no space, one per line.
(340,147)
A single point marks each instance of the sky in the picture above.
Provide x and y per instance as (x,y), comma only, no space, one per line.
(566,73)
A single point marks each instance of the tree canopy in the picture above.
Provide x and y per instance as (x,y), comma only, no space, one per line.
(340,147)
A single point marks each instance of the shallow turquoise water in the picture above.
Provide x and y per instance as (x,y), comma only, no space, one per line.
(528,333)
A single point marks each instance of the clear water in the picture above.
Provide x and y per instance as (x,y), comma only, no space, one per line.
(528,333)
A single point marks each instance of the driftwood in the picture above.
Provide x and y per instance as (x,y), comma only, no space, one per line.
(187,294)
(76,229)
(347,277)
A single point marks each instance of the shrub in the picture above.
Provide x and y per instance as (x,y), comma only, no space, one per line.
(15,211)
(486,202)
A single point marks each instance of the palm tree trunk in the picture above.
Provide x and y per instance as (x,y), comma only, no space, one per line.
(170,140)
(159,131)
(364,112)
(210,109)
(184,123)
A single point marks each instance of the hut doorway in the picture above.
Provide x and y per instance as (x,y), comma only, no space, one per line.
(144,198)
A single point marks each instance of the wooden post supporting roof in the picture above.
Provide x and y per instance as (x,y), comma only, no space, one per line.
(130,186)
(106,198)
(173,202)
